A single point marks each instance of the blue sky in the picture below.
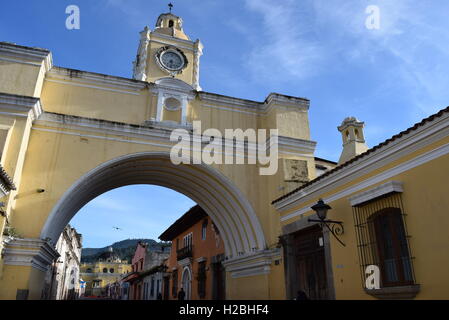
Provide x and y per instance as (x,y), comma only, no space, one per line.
(319,49)
(140,211)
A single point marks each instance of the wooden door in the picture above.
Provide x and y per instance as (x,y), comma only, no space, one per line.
(310,263)
(219,282)
(166,288)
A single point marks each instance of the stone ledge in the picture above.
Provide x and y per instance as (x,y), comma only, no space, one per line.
(258,263)
(402,292)
(36,253)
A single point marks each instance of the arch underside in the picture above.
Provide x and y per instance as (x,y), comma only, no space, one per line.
(224,203)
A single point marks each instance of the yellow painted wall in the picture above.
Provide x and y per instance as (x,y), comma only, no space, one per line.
(13,278)
(54,158)
(51,157)
(425,204)
(254,287)
(120,269)
(19,78)
(68,97)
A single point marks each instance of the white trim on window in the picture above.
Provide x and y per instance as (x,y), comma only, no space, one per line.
(188,240)
(371,194)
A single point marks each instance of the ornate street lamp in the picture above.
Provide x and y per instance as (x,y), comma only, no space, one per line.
(335,227)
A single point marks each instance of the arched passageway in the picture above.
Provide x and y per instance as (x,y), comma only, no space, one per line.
(224,203)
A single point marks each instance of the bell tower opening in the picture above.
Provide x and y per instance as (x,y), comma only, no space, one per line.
(353,139)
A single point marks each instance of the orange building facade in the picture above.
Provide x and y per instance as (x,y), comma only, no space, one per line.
(195,262)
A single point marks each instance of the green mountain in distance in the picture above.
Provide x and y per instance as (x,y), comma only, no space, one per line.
(124,249)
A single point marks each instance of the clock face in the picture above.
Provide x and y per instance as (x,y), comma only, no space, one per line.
(172,60)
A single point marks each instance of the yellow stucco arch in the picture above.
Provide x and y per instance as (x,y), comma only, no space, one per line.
(216,194)
(74,135)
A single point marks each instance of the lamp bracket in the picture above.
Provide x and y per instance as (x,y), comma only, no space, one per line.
(335,227)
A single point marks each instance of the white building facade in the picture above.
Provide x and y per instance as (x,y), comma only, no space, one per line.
(154,273)
(63,277)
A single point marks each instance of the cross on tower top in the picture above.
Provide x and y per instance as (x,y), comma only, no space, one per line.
(170,6)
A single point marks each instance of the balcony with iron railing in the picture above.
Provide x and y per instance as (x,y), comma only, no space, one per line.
(186,252)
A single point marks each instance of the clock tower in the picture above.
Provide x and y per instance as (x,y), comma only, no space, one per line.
(168,52)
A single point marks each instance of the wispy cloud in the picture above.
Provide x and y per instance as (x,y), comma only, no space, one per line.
(409,53)
(412,34)
(109,203)
(284,43)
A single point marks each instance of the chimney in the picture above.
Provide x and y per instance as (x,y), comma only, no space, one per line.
(353,139)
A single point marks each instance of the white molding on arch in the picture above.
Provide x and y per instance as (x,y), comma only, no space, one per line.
(185,262)
(224,202)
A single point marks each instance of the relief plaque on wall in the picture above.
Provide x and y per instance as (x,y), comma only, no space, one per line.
(295,171)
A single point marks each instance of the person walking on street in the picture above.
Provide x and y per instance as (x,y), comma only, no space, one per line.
(181,294)
(301,295)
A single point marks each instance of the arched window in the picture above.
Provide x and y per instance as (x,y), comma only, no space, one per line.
(105,270)
(170,24)
(186,281)
(387,228)
(111,270)
(89,270)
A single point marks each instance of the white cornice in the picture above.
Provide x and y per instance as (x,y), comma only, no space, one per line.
(171,85)
(297,145)
(253,107)
(287,101)
(374,193)
(234,109)
(258,263)
(420,137)
(76,84)
(53,120)
(17,104)
(20,52)
(231,101)
(36,253)
(95,79)
(388,174)
(171,44)
(35,64)
(170,38)
(166,125)
(159,131)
